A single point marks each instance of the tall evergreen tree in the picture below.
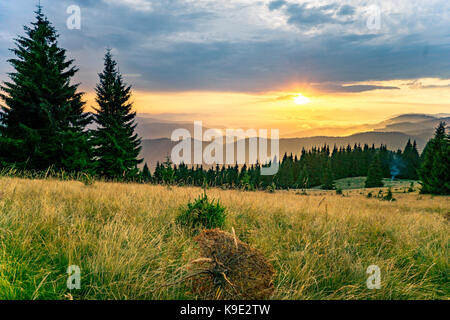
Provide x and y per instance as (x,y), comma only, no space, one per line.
(168,173)
(327,178)
(302,179)
(411,161)
(435,171)
(146,175)
(42,122)
(285,176)
(375,174)
(117,146)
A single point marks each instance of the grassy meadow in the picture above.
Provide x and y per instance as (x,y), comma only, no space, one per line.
(359,183)
(124,239)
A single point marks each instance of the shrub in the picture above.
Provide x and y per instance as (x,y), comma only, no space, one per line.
(339,190)
(202,213)
(87,179)
(389,196)
(271,188)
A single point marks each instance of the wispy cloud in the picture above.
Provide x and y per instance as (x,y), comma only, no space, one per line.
(354,88)
(139,5)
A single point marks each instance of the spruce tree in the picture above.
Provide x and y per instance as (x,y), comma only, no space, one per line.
(157,175)
(117,146)
(435,171)
(285,176)
(42,122)
(375,174)
(411,161)
(146,175)
(302,180)
(327,178)
(168,172)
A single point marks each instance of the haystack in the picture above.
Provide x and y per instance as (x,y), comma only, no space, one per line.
(230,269)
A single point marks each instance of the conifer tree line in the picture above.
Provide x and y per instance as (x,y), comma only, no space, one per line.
(316,167)
(321,166)
(43,123)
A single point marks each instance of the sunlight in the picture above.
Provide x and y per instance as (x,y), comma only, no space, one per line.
(301,99)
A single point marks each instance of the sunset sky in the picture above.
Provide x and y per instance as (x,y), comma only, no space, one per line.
(304,67)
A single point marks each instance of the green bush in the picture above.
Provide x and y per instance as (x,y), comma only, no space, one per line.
(203,214)
(87,179)
(271,188)
(389,196)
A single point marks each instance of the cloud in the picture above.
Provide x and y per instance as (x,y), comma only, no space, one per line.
(355,88)
(302,14)
(309,15)
(417,84)
(346,10)
(435,86)
(245,45)
(274,5)
(334,87)
(139,5)
(284,97)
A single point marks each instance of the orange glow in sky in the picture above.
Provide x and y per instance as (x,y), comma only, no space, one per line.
(293,113)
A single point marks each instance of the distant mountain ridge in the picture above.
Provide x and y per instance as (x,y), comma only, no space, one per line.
(150,128)
(394,133)
(421,126)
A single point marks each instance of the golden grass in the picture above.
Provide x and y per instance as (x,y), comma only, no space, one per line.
(124,239)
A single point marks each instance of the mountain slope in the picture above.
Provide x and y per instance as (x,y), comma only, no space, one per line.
(394,133)
(158,149)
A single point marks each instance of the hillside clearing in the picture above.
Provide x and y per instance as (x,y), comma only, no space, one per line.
(124,239)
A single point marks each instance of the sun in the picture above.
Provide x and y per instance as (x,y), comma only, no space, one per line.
(301,99)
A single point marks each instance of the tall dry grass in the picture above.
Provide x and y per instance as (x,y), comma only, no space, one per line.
(124,238)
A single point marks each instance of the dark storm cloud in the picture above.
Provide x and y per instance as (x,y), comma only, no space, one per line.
(174,46)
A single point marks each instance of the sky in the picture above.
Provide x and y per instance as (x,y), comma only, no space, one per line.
(303,67)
